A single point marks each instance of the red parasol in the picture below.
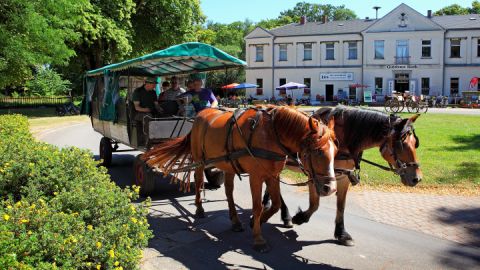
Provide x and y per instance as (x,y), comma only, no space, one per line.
(229,86)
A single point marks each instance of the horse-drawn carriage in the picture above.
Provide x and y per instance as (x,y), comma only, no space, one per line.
(108,100)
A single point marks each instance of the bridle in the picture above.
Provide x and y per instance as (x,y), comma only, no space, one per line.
(397,146)
(307,151)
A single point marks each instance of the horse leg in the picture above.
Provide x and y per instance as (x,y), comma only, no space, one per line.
(198,175)
(229,185)
(342,236)
(273,188)
(314,199)
(285,214)
(259,244)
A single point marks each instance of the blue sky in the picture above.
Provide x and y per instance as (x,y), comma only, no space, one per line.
(226,11)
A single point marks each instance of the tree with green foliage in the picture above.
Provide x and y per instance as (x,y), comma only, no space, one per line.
(35,32)
(315,12)
(47,82)
(456,9)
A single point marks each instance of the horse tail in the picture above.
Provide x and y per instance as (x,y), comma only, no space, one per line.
(166,155)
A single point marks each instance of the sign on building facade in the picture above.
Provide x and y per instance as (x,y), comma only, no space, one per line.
(336,76)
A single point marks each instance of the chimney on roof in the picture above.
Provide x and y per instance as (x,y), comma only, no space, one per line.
(429,13)
(324,19)
(303,20)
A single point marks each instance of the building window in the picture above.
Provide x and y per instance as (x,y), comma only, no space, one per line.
(402,52)
(426,48)
(282,81)
(455,48)
(453,86)
(258,53)
(330,51)
(307,51)
(478,47)
(425,86)
(307,82)
(259,87)
(378,85)
(283,52)
(352,50)
(379,49)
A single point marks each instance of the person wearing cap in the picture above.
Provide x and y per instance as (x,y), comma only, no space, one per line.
(145,98)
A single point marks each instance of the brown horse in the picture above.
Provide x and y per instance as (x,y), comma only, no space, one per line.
(357,130)
(256,141)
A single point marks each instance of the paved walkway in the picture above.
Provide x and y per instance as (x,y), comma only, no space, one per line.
(454,218)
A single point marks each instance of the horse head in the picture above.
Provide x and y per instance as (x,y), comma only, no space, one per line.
(400,150)
(317,153)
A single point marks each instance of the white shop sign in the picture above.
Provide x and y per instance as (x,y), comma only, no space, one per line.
(401,67)
(336,76)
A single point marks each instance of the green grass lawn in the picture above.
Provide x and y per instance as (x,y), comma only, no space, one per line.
(449,153)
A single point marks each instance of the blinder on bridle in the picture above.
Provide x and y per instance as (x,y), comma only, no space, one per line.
(398,147)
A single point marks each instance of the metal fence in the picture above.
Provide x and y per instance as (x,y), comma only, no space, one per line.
(33,102)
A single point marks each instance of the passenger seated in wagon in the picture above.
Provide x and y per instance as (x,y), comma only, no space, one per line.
(145,99)
(168,99)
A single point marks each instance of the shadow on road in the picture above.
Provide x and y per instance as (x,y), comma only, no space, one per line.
(469,220)
(209,244)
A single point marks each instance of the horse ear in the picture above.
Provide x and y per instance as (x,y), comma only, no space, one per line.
(331,123)
(413,118)
(313,123)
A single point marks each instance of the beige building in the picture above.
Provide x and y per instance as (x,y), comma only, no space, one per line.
(402,51)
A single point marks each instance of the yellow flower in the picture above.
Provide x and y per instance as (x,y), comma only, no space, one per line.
(141,235)
(99,245)
(55,193)
(89,264)
(6,217)
(136,189)
(111,253)
(119,268)
(90,227)
(133,209)
(99,267)
(19,203)
(24,221)
(32,206)
(116,263)
(134,220)
(9,207)
(29,232)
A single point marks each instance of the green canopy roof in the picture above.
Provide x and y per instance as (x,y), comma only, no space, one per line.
(184,58)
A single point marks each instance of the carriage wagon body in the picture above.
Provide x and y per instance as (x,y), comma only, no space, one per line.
(108,101)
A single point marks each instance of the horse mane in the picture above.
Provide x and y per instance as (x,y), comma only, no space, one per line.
(292,126)
(360,125)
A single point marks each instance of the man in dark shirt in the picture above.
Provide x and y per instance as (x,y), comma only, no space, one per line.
(144,98)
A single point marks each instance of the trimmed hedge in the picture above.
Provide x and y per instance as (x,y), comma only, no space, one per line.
(59,210)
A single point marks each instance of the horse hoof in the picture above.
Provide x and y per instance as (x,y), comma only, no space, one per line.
(262,248)
(288,223)
(300,218)
(237,227)
(345,240)
(200,213)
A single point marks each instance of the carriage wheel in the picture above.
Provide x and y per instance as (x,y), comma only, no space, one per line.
(144,176)
(388,105)
(396,106)
(412,107)
(215,177)
(106,151)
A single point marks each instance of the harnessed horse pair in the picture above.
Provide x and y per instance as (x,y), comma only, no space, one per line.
(282,130)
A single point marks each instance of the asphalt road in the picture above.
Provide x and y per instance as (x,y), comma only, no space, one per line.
(181,241)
